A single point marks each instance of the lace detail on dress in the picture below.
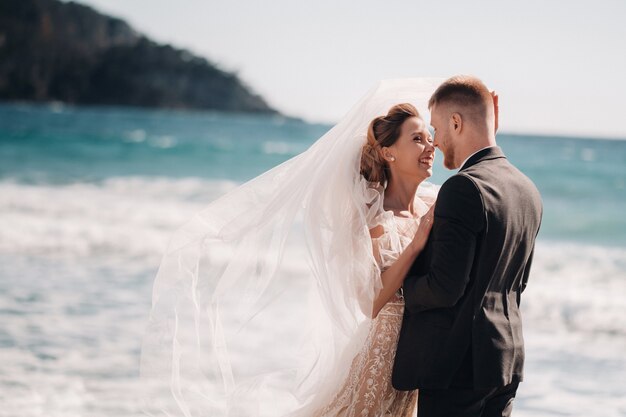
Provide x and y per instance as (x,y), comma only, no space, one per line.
(367,391)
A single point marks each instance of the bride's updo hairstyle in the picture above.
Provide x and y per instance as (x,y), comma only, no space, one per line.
(383,131)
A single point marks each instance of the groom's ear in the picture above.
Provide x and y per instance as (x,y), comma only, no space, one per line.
(457,122)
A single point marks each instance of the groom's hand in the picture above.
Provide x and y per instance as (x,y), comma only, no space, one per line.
(495,108)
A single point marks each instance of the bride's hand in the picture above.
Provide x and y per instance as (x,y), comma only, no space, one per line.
(423,230)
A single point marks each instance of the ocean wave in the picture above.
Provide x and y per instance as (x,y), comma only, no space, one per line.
(132,216)
(577,288)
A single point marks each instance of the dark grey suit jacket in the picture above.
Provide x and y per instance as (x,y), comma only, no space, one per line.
(462,325)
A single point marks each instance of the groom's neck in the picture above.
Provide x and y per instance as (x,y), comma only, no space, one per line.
(474,143)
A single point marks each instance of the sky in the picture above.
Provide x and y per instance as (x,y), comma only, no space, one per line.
(558,65)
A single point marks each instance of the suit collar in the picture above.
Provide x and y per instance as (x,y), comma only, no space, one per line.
(493,152)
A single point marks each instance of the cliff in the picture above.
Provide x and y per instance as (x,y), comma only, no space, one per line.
(51,50)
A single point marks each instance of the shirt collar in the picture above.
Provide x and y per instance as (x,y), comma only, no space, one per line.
(467,159)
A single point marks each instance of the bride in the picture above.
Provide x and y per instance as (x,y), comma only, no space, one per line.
(398,153)
(282,298)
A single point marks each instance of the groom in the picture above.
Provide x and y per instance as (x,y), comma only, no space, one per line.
(461,340)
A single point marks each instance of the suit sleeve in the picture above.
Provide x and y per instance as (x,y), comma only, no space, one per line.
(527,271)
(459,219)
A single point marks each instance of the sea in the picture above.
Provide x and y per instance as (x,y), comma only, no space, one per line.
(89,197)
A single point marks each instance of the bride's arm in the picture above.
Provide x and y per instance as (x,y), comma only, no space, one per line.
(393,276)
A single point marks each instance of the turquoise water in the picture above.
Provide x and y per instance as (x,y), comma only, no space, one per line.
(90,196)
(40,144)
(582,180)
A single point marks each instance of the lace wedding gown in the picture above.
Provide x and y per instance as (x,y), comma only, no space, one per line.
(367,391)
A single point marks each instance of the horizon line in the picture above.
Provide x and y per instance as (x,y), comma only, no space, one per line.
(57,105)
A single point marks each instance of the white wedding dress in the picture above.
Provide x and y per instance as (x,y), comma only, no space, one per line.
(261,305)
(367,391)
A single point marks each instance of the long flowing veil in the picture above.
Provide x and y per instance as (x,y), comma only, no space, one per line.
(262,299)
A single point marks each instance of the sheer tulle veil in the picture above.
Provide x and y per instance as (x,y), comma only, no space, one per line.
(262,299)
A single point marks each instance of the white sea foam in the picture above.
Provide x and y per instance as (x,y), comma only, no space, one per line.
(575,287)
(133,217)
(575,332)
(136,135)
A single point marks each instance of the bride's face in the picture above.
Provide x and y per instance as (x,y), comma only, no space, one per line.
(443,138)
(414,152)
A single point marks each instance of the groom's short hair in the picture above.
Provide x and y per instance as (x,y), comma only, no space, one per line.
(465,91)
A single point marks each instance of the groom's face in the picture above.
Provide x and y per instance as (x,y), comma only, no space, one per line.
(443,139)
